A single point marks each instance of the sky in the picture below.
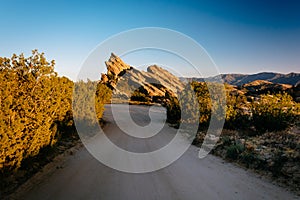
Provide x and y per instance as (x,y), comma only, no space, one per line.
(240,36)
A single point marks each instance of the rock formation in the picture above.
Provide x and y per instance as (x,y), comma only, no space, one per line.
(115,66)
(124,80)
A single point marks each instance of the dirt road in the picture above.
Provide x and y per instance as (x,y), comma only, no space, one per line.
(81,176)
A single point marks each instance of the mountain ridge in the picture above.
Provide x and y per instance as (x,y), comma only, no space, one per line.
(237,79)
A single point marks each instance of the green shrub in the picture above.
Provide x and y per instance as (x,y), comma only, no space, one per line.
(226,140)
(173,109)
(249,158)
(234,150)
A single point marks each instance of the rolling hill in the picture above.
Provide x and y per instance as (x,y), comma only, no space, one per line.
(241,79)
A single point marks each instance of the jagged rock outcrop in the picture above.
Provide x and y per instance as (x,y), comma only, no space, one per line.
(154,83)
(115,66)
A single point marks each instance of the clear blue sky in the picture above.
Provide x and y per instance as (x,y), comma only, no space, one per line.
(241,36)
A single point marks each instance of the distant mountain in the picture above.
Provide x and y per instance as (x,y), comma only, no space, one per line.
(258,87)
(241,79)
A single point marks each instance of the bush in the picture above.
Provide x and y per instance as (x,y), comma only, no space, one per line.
(279,160)
(234,150)
(173,109)
(184,108)
(139,96)
(274,112)
(32,100)
(237,112)
(249,158)
(103,96)
(35,105)
(226,140)
(205,104)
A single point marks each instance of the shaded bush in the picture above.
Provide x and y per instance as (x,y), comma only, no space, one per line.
(252,160)
(248,158)
(234,150)
(279,160)
(173,108)
(226,140)
(139,96)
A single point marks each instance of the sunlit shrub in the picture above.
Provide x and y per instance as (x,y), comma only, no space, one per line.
(274,112)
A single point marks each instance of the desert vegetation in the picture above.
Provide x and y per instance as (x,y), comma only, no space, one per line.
(36,109)
(265,112)
(261,131)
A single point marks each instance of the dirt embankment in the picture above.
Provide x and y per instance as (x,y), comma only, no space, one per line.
(272,154)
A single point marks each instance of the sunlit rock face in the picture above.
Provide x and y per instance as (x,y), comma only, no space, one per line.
(154,83)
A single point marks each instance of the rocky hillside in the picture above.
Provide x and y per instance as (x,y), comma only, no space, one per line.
(258,87)
(126,80)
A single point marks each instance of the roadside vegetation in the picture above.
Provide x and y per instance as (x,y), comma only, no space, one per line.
(36,113)
(262,132)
